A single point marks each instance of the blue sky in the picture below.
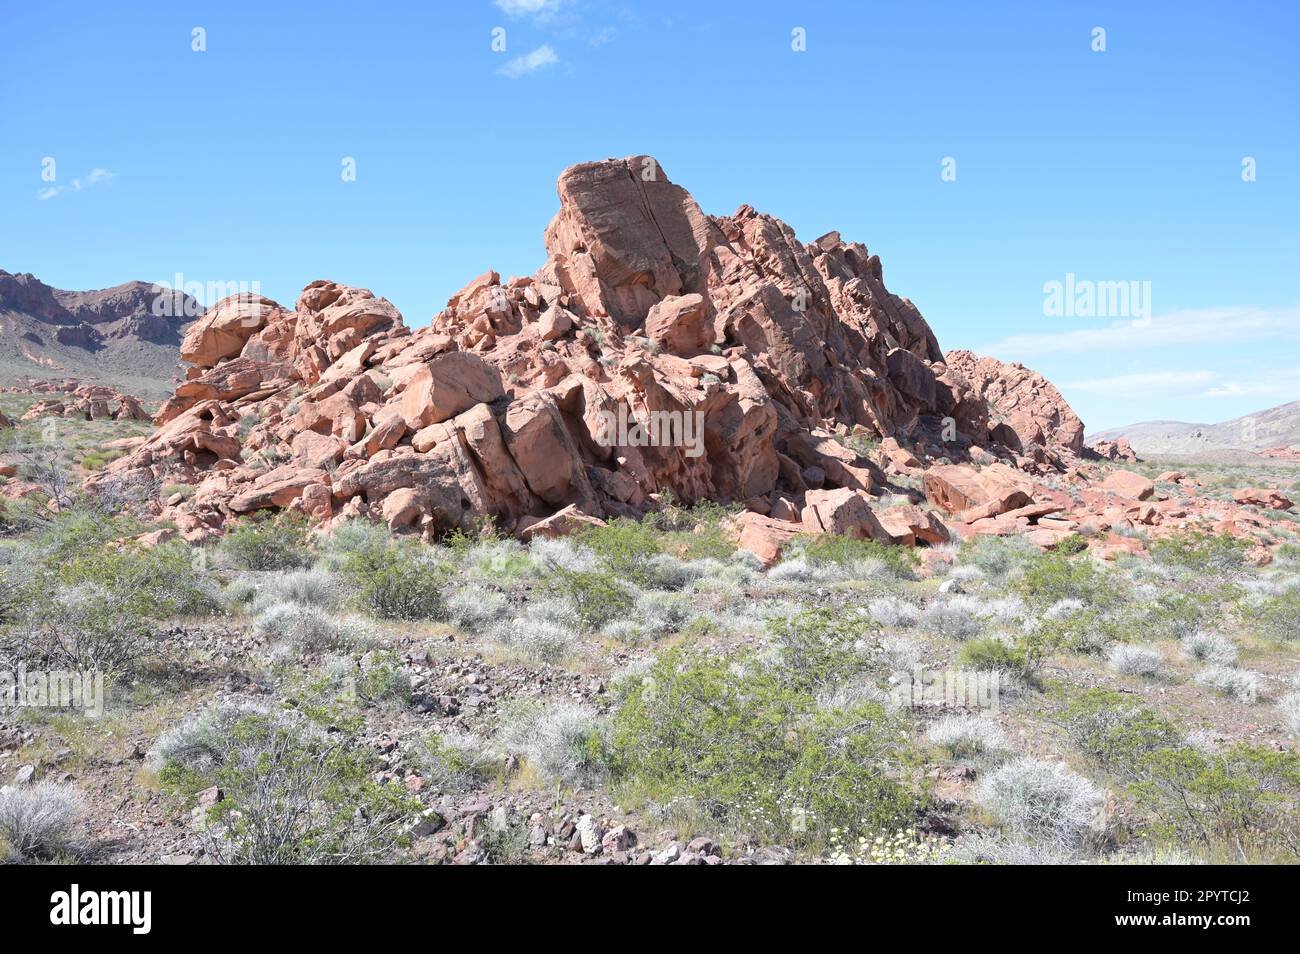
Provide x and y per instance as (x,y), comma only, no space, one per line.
(1116,166)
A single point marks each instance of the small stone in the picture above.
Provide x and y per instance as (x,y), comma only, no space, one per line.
(589,833)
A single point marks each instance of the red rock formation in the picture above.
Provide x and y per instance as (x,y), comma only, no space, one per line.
(1118,450)
(1025,408)
(658,349)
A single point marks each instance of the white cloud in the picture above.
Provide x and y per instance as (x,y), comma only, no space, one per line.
(94,178)
(1135,385)
(528,8)
(1199,326)
(1282,384)
(530,62)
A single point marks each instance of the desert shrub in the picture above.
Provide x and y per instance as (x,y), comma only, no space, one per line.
(699,532)
(1133,660)
(796,570)
(294,796)
(818,648)
(899,653)
(86,627)
(36,821)
(894,613)
(1058,576)
(299,625)
(342,685)
(270,543)
(1115,733)
(544,631)
(597,596)
(81,529)
(356,546)
(1042,800)
(658,614)
(239,594)
(1289,706)
(456,762)
(838,549)
(562,552)
(1245,797)
(401,586)
(998,557)
(992,655)
(1239,684)
(187,753)
(1200,551)
(756,753)
(565,743)
(1275,617)
(965,735)
(475,609)
(157,583)
(315,588)
(1210,648)
(666,572)
(1172,614)
(957,617)
(623,547)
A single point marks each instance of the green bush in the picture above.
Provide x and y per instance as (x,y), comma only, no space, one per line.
(99,610)
(1204,552)
(757,752)
(357,546)
(998,557)
(597,596)
(270,543)
(402,586)
(79,529)
(1275,617)
(840,550)
(1245,798)
(296,796)
(819,648)
(1115,733)
(157,583)
(1056,576)
(992,654)
(625,547)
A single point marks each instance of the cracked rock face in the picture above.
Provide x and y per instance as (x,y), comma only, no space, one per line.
(658,350)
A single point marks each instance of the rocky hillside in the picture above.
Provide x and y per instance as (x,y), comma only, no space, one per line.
(117,336)
(1269,430)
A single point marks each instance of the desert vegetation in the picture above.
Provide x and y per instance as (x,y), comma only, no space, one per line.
(643,692)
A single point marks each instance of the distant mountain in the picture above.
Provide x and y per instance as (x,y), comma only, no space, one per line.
(1276,427)
(125,336)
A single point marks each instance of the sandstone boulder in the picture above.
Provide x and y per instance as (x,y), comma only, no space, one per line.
(446,386)
(1126,483)
(1262,497)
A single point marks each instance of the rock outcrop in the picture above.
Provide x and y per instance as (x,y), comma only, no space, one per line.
(1025,409)
(659,350)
